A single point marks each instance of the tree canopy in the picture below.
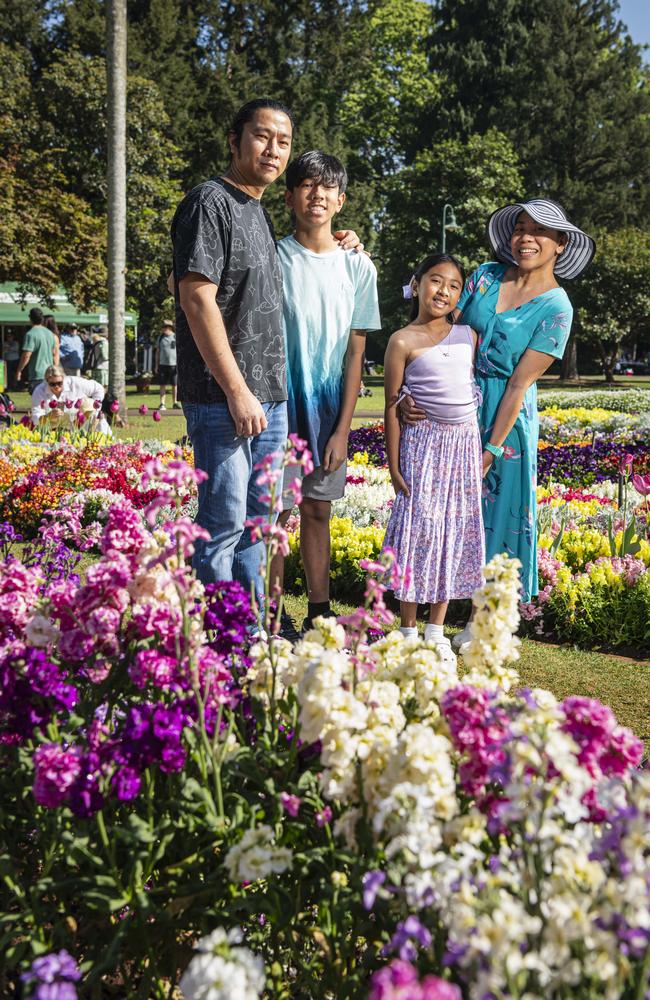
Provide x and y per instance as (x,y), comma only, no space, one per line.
(467,102)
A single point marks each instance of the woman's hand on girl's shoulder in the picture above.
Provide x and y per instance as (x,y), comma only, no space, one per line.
(399,484)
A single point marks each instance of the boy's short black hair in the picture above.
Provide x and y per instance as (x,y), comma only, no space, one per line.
(247,112)
(316,164)
(36,316)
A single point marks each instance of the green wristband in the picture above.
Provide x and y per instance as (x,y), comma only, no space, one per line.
(494,449)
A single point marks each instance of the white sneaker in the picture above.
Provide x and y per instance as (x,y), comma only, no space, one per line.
(162,407)
(461,638)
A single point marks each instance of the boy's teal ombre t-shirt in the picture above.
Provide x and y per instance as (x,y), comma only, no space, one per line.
(325,296)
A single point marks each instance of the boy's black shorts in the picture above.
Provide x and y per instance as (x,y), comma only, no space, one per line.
(168,374)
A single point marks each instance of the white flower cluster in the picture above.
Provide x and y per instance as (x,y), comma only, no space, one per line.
(257,855)
(542,914)
(221,969)
(496,618)
(624,400)
(369,502)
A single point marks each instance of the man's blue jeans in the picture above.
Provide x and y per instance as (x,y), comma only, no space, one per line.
(230,494)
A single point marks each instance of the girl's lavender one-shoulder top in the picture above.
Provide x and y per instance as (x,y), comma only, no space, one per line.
(441,379)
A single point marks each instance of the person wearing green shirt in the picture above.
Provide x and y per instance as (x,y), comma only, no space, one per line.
(40,350)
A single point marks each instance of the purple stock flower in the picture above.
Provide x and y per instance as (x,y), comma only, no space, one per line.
(228,614)
(372,882)
(52,977)
(152,734)
(32,691)
(406,934)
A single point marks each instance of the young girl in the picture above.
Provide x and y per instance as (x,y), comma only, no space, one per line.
(435,527)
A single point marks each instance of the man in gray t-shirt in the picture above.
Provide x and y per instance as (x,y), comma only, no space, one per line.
(229,338)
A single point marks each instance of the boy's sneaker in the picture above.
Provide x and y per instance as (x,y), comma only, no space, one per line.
(308,623)
(288,629)
(162,407)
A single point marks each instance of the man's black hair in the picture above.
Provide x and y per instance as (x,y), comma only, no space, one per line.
(36,316)
(317,165)
(247,111)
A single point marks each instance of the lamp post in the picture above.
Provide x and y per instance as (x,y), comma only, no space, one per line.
(451,224)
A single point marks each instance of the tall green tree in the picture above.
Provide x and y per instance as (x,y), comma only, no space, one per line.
(613,300)
(563,79)
(49,235)
(475,177)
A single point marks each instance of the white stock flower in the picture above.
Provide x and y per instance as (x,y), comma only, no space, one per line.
(40,631)
(256,856)
(222,970)
(496,618)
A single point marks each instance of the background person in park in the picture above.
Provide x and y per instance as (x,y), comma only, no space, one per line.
(330,300)
(71,349)
(40,350)
(166,363)
(435,527)
(66,391)
(230,345)
(98,359)
(523,319)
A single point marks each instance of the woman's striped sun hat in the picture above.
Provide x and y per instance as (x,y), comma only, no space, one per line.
(578,251)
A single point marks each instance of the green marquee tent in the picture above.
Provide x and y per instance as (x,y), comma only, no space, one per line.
(14,309)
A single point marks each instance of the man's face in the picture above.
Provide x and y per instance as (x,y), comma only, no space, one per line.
(55,383)
(315,203)
(264,148)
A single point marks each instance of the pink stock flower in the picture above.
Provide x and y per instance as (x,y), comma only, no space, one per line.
(290,804)
(642,484)
(55,770)
(143,410)
(324,816)
(273,536)
(400,981)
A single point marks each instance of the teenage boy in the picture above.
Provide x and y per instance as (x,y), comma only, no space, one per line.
(330,301)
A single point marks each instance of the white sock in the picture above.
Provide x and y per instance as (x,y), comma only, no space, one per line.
(434,632)
(409,631)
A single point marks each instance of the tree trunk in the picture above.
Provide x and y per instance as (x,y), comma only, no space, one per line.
(570,361)
(116,184)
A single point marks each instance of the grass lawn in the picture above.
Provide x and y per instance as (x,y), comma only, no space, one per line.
(619,682)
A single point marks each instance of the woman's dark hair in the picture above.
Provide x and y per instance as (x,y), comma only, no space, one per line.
(318,166)
(246,113)
(426,265)
(50,323)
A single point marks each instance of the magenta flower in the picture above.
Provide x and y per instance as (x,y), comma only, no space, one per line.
(642,484)
(53,404)
(55,771)
(143,410)
(290,804)
(399,981)
(115,406)
(156,415)
(26,420)
(324,816)
(625,464)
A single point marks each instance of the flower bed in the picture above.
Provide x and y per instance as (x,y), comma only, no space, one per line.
(37,477)
(624,400)
(368,821)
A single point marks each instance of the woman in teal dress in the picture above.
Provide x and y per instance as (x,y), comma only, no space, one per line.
(523,319)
